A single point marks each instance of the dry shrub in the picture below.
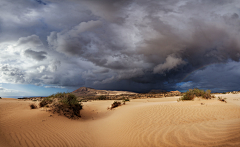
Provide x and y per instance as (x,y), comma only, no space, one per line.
(33,106)
(115,104)
(191,93)
(45,102)
(102,97)
(64,104)
(222,99)
(69,107)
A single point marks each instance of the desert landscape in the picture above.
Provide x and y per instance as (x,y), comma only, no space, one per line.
(140,122)
(119,73)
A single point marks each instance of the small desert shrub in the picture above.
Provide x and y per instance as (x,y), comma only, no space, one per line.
(115,104)
(187,96)
(33,106)
(222,99)
(191,93)
(69,107)
(224,93)
(71,99)
(45,102)
(0,97)
(102,97)
(126,99)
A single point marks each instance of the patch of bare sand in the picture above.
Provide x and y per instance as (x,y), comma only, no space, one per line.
(141,122)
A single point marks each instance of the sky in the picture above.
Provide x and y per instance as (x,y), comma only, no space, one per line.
(50,46)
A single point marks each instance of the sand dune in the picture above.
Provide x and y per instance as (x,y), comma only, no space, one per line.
(141,122)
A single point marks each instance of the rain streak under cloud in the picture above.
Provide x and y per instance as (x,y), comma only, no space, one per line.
(134,45)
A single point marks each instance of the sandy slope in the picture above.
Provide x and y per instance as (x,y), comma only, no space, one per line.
(141,122)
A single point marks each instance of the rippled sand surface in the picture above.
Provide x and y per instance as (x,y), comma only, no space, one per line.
(141,122)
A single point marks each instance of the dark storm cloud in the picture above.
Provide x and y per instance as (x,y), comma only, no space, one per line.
(138,45)
(166,56)
(224,75)
(39,56)
(41,2)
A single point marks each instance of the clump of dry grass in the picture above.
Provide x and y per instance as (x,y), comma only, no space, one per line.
(222,99)
(115,104)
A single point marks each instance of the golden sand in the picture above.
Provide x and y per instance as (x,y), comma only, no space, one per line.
(141,122)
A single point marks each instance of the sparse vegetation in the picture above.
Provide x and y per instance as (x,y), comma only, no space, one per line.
(126,99)
(33,106)
(45,102)
(192,93)
(59,95)
(68,106)
(102,97)
(224,93)
(115,104)
(64,104)
(222,99)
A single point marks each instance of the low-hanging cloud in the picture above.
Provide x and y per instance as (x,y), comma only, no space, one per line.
(171,63)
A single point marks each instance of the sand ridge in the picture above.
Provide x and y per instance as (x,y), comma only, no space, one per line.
(141,122)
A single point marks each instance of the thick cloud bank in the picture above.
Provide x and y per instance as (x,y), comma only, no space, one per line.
(123,45)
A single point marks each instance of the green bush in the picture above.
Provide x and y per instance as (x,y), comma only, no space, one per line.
(224,93)
(45,102)
(191,93)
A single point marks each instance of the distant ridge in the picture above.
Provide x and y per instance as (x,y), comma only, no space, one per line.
(87,91)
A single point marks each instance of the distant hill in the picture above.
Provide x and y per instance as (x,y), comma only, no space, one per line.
(86,91)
